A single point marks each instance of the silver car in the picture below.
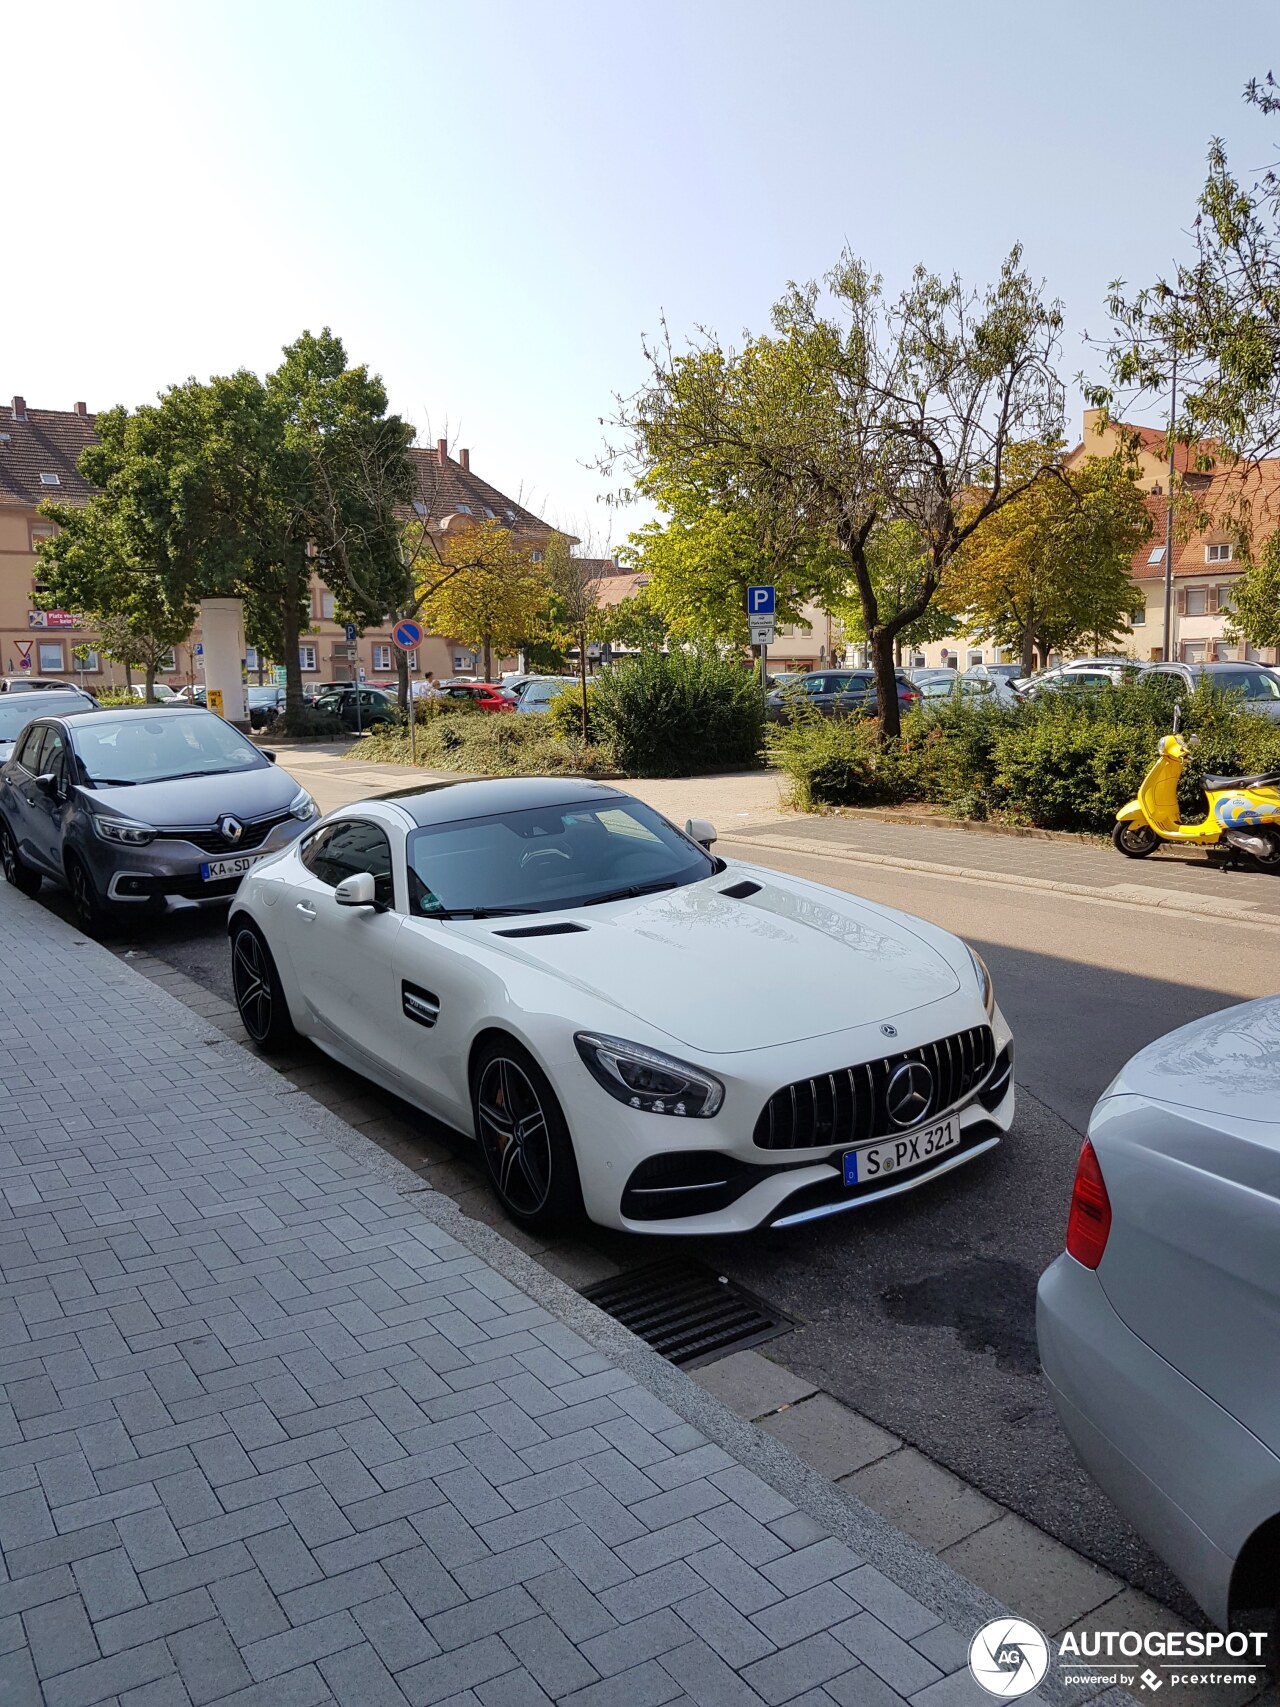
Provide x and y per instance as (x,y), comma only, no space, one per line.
(142,808)
(1255,685)
(1159,1327)
(19,709)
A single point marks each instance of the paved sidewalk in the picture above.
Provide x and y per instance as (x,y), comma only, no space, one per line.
(280,1427)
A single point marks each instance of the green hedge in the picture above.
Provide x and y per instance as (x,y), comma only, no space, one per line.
(1060,762)
(488,744)
(671,716)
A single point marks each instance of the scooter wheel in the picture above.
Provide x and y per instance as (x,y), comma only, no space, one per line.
(1135,841)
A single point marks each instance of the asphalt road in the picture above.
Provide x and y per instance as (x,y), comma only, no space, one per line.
(920,1313)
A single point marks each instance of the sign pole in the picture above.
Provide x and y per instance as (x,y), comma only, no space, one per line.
(413,742)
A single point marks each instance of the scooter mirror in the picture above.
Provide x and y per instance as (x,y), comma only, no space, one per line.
(1177,717)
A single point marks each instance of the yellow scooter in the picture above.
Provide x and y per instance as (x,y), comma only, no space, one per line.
(1243,815)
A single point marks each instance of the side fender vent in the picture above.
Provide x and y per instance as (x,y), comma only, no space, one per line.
(563,929)
(740,891)
(418,1004)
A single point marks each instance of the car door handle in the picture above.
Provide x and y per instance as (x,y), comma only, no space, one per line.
(306,909)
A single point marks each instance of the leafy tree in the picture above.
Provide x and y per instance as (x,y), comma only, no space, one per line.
(897,565)
(857,411)
(135,642)
(1054,567)
(634,623)
(1255,617)
(498,597)
(573,578)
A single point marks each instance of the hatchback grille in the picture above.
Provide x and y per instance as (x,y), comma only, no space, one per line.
(214,842)
(849,1106)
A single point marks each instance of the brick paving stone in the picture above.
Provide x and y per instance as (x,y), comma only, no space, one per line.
(270,1437)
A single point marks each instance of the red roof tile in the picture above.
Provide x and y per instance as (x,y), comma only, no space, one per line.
(43,441)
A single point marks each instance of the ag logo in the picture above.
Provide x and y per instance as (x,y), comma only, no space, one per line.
(1008,1657)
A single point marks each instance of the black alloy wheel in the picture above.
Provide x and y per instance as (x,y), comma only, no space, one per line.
(524,1139)
(91,915)
(16,871)
(1135,841)
(264,1012)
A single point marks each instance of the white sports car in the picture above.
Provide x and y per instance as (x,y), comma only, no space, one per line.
(626,1023)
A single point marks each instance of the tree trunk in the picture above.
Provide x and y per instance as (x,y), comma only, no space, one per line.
(886,683)
(128,678)
(290,629)
(488,656)
(1028,651)
(151,684)
(582,674)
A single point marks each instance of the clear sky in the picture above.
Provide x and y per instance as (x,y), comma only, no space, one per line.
(491,200)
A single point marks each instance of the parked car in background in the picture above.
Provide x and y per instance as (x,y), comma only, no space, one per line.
(193,695)
(1159,1327)
(931,673)
(435,942)
(43,684)
(1009,673)
(982,680)
(139,808)
(785,678)
(161,692)
(263,703)
(358,707)
(1256,685)
(971,688)
(24,708)
(484,696)
(1075,680)
(537,693)
(835,693)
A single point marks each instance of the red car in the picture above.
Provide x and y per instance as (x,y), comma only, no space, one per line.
(483,695)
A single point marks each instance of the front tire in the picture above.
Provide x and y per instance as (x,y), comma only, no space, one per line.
(91,912)
(16,870)
(264,1012)
(1135,840)
(524,1138)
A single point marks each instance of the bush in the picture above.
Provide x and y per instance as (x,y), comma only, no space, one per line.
(489,744)
(1060,762)
(307,724)
(677,715)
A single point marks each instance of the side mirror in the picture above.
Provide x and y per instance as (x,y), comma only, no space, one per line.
(47,784)
(356,891)
(700,830)
(268,755)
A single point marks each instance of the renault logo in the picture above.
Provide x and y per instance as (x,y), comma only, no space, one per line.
(908,1096)
(231,829)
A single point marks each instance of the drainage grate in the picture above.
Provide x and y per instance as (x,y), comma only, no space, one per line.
(688,1312)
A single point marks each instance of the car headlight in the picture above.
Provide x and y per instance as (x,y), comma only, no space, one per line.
(303,806)
(984,982)
(646,1079)
(126,830)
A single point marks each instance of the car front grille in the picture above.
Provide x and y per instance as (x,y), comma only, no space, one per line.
(850,1106)
(214,842)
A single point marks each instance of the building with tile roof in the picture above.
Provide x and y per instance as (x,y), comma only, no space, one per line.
(39,450)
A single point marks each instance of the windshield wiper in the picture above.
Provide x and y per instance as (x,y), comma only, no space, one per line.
(476,912)
(113,782)
(631,892)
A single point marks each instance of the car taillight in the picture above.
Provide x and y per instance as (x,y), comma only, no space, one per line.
(1089,1222)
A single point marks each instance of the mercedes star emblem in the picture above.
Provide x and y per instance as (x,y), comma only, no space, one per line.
(888,1030)
(908,1096)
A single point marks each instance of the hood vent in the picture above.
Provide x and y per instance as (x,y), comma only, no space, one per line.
(740,891)
(564,929)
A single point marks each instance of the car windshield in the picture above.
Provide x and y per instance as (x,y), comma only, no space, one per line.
(15,714)
(161,748)
(1253,684)
(547,858)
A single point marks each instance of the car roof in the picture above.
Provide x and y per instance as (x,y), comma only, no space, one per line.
(452,802)
(139,713)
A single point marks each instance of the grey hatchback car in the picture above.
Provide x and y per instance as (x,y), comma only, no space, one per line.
(142,809)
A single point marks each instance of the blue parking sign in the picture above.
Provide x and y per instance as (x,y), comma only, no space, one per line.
(760,601)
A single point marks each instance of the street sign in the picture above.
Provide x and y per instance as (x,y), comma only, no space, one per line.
(200,649)
(350,632)
(762,632)
(407,635)
(761,601)
(213,700)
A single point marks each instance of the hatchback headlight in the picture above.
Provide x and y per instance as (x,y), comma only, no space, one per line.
(646,1079)
(984,982)
(303,806)
(124,830)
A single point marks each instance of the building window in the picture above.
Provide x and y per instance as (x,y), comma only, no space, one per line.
(41,530)
(464,662)
(1197,601)
(1157,556)
(382,657)
(326,606)
(50,480)
(974,658)
(306,657)
(1139,618)
(1225,597)
(86,660)
(1219,553)
(537,556)
(1193,651)
(251,657)
(52,661)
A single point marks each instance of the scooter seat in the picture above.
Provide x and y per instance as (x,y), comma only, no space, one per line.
(1268,779)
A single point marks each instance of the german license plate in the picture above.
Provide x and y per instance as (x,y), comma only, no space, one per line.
(216,870)
(892,1155)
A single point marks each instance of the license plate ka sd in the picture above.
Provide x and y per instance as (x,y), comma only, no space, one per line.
(894,1155)
(216,870)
